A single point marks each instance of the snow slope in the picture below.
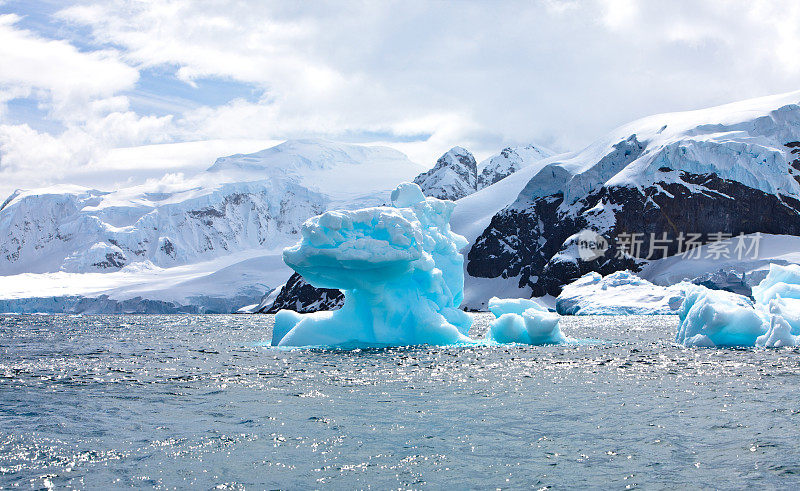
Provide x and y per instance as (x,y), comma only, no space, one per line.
(250,204)
(731,169)
(729,273)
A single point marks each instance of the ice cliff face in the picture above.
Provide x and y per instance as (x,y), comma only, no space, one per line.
(731,169)
(453,177)
(509,161)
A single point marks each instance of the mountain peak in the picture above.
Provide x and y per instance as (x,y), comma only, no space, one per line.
(509,161)
(454,176)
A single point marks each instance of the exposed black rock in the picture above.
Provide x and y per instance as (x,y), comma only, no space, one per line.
(528,241)
(302,297)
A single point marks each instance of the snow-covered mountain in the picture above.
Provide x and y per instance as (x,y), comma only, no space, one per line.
(456,173)
(509,161)
(246,206)
(730,169)
(470,218)
(454,176)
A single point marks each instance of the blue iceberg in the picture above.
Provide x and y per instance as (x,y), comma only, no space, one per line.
(400,268)
(519,320)
(713,318)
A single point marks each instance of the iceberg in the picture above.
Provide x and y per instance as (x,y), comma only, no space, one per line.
(782,331)
(519,320)
(778,295)
(780,282)
(714,318)
(619,293)
(400,269)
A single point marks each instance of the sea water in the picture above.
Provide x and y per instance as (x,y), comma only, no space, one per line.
(201,401)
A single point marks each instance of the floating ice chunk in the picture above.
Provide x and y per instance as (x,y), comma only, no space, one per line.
(520,320)
(781,332)
(619,293)
(717,318)
(712,318)
(399,267)
(500,306)
(778,298)
(781,281)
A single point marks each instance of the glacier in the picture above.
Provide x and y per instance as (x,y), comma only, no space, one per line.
(523,321)
(399,267)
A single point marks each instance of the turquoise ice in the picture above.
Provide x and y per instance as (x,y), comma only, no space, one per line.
(400,268)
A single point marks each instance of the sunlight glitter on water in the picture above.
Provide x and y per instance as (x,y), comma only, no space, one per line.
(165,401)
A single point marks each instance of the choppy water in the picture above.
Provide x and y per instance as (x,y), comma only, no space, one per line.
(194,401)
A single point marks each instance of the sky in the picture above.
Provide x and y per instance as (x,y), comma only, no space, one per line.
(110,93)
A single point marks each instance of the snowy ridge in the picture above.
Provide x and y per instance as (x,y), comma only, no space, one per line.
(742,141)
(453,177)
(733,169)
(213,214)
(250,204)
(509,161)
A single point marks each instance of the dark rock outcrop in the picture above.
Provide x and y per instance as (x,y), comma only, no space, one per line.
(533,240)
(302,297)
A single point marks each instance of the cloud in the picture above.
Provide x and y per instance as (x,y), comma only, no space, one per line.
(553,71)
(481,74)
(78,90)
(70,77)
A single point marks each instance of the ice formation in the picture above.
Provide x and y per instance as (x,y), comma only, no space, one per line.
(399,267)
(519,320)
(782,323)
(714,318)
(619,293)
(778,296)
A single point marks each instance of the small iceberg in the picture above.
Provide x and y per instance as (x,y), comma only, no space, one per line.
(713,318)
(716,318)
(400,268)
(618,293)
(523,321)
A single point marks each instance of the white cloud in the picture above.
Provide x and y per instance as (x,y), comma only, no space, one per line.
(78,90)
(515,71)
(70,77)
(476,73)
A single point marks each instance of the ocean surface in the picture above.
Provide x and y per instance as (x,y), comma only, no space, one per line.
(180,401)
